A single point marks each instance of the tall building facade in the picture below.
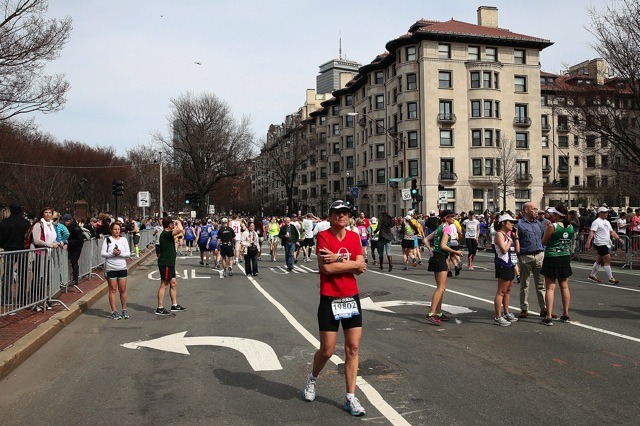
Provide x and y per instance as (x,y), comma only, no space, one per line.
(334,74)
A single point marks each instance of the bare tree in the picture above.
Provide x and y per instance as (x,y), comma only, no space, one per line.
(207,143)
(28,41)
(287,149)
(506,169)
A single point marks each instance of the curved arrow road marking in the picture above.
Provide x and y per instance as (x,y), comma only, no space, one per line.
(370,305)
(260,356)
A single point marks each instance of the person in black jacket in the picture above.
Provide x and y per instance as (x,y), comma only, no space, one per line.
(75,243)
(289,236)
(12,232)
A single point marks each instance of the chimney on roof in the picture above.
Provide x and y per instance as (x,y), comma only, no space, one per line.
(488,16)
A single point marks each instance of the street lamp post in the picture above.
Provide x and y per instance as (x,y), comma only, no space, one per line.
(161,193)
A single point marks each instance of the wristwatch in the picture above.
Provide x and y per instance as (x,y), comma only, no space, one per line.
(339,259)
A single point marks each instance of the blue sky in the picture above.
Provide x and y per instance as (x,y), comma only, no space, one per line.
(127,58)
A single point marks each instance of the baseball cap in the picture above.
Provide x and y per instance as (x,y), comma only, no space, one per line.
(432,213)
(603,210)
(224,220)
(553,210)
(338,205)
(446,213)
(374,220)
(408,217)
(66,217)
(507,218)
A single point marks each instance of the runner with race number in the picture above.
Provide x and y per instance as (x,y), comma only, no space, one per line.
(339,260)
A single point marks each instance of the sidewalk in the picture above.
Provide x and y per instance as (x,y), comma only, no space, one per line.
(25,332)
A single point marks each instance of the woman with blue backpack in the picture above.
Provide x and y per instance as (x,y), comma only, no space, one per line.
(189,237)
(203,234)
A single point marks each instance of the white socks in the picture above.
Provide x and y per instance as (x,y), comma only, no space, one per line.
(594,270)
(607,269)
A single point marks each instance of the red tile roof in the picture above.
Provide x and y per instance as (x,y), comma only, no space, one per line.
(463,28)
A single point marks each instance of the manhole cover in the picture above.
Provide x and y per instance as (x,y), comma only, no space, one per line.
(374,293)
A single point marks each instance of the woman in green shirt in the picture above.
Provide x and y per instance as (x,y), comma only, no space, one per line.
(556,266)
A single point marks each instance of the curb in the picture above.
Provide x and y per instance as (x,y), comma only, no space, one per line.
(11,358)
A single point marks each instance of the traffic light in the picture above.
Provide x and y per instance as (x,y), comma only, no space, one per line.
(187,198)
(195,199)
(415,194)
(117,188)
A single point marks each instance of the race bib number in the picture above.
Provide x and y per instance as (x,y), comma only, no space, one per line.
(344,308)
(514,258)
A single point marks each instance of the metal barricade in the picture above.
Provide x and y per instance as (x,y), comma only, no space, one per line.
(621,251)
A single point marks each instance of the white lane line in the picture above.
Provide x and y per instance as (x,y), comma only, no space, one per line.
(576,323)
(370,392)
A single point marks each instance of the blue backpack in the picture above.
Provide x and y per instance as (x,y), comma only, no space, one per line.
(205,231)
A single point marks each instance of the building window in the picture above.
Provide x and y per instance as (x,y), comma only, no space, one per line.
(488,108)
(379,101)
(476,167)
(491,54)
(413,168)
(576,180)
(312,176)
(488,167)
(323,137)
(349,141)
(545,162)
(336,167)
(335,110)
(446,167)
(336,129)
(323,172)
(322,120)
(348,100)
(446,138)
(488,137)
(486,79)
(444,51)
(576,140)
(349,120)
(496,80)
(545,142)
(520,82)
(576,160)
(412,82)
(497,110)
(446,107)
(380,126)
(379,77)
(544,120)
(522,112)
(523,194)
(475,79)
(591,160)
(563,141)
(473,53)
(380,151)
(412,110)
(336,148)
(350,162)
(323,155)
(476,137)
(478,194)
(475,109)
(336,186)
(590,141)
(519,56)
(522,140)
(412,139)
(522,168)
(444,80)
(380,178)
(411,53)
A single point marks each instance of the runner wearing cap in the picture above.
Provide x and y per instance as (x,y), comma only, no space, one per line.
(557,260)
(438,263)
(601,234)
(339,260)
(226,240)
(507,247)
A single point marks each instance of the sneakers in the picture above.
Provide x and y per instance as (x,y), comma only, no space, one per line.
(177,308)
(433,319)
(501,321)
(443,317)
(449,274)
(518,279)
(594,279)
(309,391)
(565,318)
(390,268)
(613,281)
(510,317)
(162,311)
(115,315)
(353,406)
(406,268)
(547,321)
(414,263)
(230,271)
(125,314)
(458,268)
(471,267)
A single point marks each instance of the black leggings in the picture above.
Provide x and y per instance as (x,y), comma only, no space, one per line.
(472,246)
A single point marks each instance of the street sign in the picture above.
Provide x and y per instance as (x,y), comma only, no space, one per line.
(406,194)
(442,197)
(144,199)
(193,214)
(212,209)
(355,191)
(400,179)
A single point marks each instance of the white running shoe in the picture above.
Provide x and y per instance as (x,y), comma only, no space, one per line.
(309,391)
(354,407)
(502,321)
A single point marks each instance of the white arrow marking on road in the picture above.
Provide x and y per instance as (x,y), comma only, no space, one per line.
(260,356)
(193,275)
(279,270)
(185,275)
(369,304)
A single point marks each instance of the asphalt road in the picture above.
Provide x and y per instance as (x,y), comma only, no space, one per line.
(251,341)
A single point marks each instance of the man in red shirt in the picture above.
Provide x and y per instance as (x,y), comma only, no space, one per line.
(366,221)
(339,260)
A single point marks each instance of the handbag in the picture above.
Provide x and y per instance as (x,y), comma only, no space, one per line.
(252,250)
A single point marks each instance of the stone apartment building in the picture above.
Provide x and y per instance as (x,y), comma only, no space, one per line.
(444,105)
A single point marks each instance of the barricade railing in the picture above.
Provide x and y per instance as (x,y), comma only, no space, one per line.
(621,251)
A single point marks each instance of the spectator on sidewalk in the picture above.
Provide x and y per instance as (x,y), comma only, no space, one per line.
(115,250)
(12,235)
(601,234)
(167,265)
(75,242)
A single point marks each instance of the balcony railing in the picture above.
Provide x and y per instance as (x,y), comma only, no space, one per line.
(546,127)
(524,177)
(563,127)
(522,121)
(448,176)
(546,169)
(362,183)
(447,117)
(563,168)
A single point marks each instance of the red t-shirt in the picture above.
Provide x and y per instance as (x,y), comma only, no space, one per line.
(339,285)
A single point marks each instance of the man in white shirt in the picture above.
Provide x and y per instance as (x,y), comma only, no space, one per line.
(235,224)
(307,243)
(601,234)
(471,233)
(323,225)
